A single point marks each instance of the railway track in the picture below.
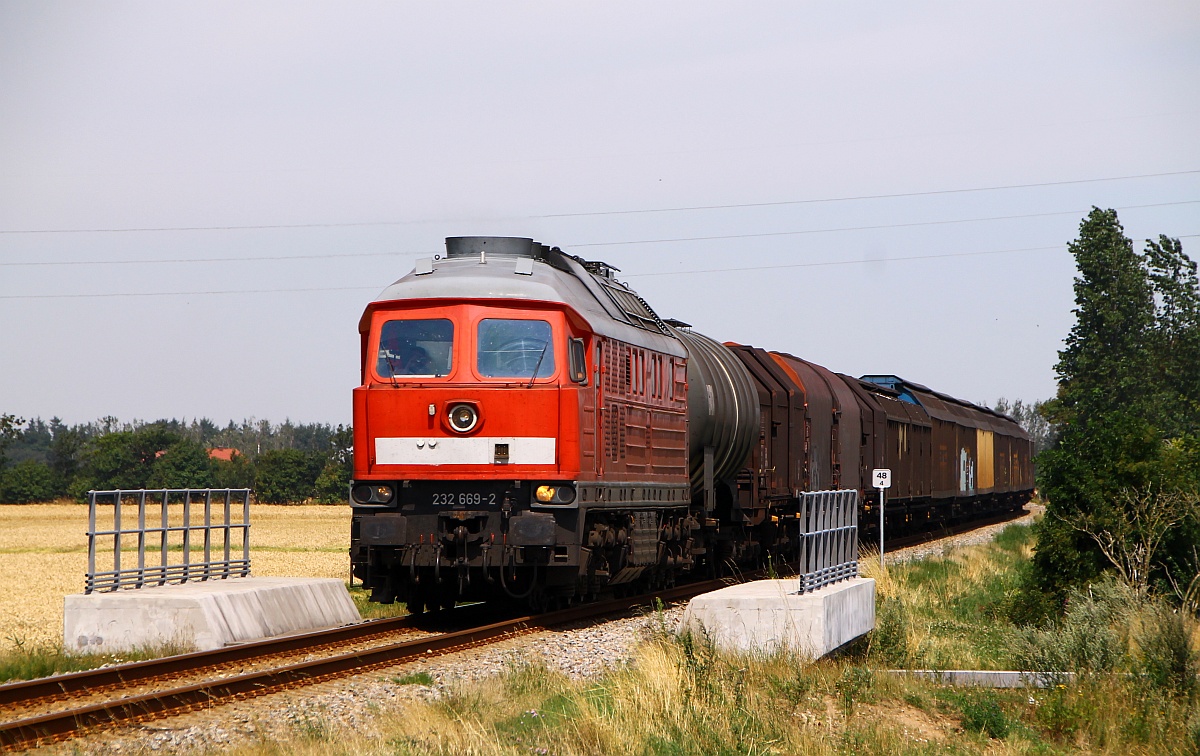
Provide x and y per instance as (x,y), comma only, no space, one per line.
(915,539)
(166,699)
(143,691)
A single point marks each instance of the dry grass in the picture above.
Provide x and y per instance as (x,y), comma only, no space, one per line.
(43,557)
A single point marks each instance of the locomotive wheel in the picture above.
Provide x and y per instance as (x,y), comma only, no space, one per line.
(416,605)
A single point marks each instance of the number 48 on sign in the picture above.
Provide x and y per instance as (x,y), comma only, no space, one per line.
(882,478)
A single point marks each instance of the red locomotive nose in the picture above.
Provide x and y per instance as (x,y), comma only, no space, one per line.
(451,391)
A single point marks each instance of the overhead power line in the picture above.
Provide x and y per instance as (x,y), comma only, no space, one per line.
(860,262)
(110,295)
(853,198)
(47,263)
(867,228)
(255,258)
(582,214)
(636,275)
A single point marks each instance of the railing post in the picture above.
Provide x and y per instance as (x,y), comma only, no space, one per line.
(225,571)
(91,573)
(117,534)
(141,539)
(187,536)
(207,533)
(246,533)
(165,542)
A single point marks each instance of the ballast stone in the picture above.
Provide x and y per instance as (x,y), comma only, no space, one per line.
(770,615)
(204,615)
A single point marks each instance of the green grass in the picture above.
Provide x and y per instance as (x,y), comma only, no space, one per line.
(417,678)
(29,663)
(952,611)
(369,610)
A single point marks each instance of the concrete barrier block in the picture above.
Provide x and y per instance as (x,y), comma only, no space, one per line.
(204,616)
(770,615)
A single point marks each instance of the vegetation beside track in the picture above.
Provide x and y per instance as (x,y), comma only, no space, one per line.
(1134,688)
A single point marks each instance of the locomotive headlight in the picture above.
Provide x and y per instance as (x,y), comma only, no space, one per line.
(378,493)
(554,494)
(463,417)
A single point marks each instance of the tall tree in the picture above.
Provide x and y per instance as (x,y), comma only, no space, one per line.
(10,428)
(1118,438)
(1176,335)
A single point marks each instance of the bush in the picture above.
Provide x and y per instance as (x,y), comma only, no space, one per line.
(981,712)
(333,484)
(889,639)
(184,464)
(1167,658)
(1085,641)
(238,472)
(27,482)
(286,475)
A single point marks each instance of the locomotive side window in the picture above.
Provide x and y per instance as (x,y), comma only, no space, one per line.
(578,361)
(415,347)
(514,348)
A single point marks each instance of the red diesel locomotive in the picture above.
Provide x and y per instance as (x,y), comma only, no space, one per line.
(527,427)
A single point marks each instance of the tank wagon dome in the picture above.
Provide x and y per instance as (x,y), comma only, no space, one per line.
(522,269)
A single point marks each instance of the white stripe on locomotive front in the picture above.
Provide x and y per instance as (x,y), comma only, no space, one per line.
(477,450)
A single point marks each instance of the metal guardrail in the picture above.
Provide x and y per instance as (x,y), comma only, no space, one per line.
(829,538)
(173,512)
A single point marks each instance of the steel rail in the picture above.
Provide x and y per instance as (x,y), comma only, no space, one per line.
(59,686)
(37,730)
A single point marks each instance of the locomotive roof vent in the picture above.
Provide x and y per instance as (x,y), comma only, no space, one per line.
(501,246)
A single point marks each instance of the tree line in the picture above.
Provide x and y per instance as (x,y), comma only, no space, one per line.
(44,461)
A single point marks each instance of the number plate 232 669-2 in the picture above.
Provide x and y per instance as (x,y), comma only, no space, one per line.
(464,499)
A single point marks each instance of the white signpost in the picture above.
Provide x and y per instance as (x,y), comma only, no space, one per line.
(882,478)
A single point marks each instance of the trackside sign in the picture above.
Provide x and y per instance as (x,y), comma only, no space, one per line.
(882,477)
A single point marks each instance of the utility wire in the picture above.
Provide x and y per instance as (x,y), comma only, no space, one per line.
(931,193)
(861,262)
(256,258)
(866,228)
(363,224)
(592,244)
(636,275)
(188,293)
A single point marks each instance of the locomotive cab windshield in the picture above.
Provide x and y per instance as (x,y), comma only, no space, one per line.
(416,347)
(474,344)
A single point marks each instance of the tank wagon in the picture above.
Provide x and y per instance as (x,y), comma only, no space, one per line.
(528,427)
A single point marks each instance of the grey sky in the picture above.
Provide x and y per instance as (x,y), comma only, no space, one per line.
(354,137)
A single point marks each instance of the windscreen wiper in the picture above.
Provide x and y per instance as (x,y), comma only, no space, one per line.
(538,366)
(391,369)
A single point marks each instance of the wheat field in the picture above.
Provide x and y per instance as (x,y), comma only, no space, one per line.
(43,557)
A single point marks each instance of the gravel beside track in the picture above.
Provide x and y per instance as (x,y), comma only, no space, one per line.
(353,703)
(943,545)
